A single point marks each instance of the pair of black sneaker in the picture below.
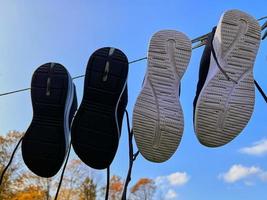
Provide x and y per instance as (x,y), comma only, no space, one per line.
(94,129)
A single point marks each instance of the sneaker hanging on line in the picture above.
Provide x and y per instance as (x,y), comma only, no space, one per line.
(158,121)
(225,94)
(47,140)
(97,125)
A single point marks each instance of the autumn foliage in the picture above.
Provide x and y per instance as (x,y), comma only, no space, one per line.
(32,192)
(144,189)
(80,182)
(115,188)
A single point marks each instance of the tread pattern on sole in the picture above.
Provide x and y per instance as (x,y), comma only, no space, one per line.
(44,143)
(223,107)
(94,131)
(158,116)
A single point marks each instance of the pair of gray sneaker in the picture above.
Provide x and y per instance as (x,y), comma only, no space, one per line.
(225,94)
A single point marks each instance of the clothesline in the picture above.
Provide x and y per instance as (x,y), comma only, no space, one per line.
(201,40)
(75,77)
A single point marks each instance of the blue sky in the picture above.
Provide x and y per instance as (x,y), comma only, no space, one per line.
(36,32)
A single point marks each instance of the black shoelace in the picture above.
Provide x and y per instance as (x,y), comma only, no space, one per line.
(132,157)
(229,78)
(62,173)
(260,90)
(107,187)
(219,66)
(264,26)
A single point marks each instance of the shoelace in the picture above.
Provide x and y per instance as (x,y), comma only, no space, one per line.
(229,78)
(62,173)
(260,90)
(132,157)
(107,187)
(219,66)
(264,26)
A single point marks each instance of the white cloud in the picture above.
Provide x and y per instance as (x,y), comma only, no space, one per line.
(175,179)
(160,180)
(240,172)
(178,178)
(257,149)
(169,183)
(171,194)
(263,176)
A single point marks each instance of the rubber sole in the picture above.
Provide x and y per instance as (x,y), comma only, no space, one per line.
(46,140)
(158,117)
(95,134)
(224,108)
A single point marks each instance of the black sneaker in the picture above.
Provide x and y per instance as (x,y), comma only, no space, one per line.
(97,125)
(54,101)
(225,94)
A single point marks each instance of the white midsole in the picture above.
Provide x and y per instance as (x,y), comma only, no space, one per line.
(116,109)
(68,104)
(213,67)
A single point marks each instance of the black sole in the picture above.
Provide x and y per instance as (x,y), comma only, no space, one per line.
(44,143)
(94,131)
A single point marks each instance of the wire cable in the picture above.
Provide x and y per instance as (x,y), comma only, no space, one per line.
(137,60)
(200,39)
(75,77)
(15,91)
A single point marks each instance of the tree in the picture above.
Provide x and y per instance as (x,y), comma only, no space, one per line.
(11,179)
(79,182)
(30,180)
(32,192)
(68,194)
(18,181)
(115,188)
(88,189)
(144,189)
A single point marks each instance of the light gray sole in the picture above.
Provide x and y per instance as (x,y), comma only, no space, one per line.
(224,108)
(158,117)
